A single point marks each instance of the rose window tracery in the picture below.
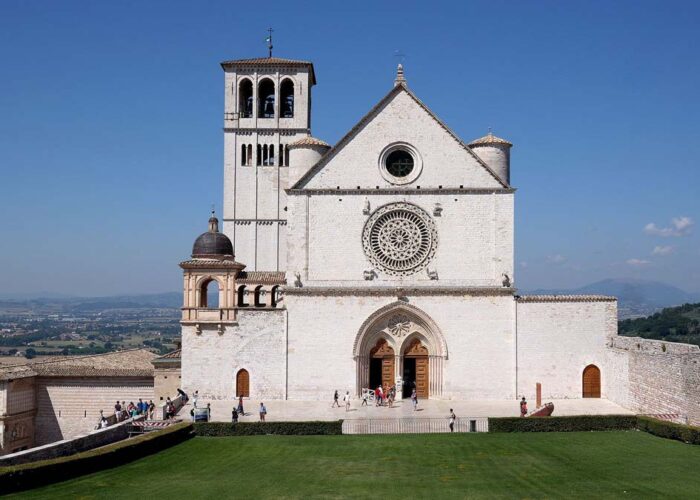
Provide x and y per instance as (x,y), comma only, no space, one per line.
(400,239)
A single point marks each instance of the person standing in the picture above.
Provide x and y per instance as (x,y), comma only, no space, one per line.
(234,416)
(346,400)
(453,417)
(414,400)
(195,396)
(335,399)
(365,396)
(523,407)
(240,406)
(263,412)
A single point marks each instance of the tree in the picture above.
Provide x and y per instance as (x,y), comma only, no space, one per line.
(30,353)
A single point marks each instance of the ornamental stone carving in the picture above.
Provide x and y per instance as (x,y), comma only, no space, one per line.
(399,325)
(400,239)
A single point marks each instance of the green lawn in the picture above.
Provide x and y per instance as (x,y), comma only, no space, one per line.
(530,465)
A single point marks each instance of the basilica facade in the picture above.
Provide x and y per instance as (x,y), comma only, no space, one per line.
(386,259)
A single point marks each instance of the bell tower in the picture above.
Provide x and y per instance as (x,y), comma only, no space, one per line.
(267,106)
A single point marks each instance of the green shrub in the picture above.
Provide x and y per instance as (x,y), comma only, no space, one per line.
(669,430)
(219,429)
(19,477)
(563,424)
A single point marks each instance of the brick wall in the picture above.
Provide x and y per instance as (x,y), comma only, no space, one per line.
(67,407)
(662,377)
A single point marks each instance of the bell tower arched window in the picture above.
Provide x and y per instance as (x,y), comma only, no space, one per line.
(287,99)
(266,99)
(245,98)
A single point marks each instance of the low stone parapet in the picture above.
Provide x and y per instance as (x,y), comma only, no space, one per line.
(94,439)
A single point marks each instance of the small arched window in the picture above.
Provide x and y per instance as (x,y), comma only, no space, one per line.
(242,296)
(244,155)
(259,296)
(258,159)
(271,156)
(287,99)
(266,99)
(245,98)
(209,294)
(274,295)
(250,155)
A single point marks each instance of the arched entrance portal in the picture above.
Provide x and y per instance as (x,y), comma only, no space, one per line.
(381,365)
(416,373)
(400,345)
(591,382)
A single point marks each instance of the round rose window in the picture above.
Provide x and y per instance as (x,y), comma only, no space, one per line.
(399,239)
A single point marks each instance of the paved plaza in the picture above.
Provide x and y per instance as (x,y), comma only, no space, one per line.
(321,410)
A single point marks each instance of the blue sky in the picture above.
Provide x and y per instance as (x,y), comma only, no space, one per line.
(111,112)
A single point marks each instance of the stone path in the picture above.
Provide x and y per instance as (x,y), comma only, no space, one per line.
(321,410)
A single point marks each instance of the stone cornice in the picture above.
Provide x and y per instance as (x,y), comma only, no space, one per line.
(397,291)
(565,298)
(283,130)
(396,191)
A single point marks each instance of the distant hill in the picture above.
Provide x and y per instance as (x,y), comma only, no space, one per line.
(635,297)
(169,300)
(675,324)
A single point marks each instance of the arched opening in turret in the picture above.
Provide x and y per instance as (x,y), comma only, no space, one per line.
(266,99)
(245,98)
(242,296)
(259,296)
(209,294)
(287,99)
(274,295)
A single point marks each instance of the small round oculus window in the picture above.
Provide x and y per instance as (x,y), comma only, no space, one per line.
(399,163)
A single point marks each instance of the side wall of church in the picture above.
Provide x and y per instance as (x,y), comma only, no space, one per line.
(210,361)
(478,332)
(70,406)
(475,238)
(661,377)
(557,340)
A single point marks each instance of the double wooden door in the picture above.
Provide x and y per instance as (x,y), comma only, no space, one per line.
(418,352)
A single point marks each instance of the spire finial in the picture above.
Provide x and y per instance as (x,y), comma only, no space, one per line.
(269,42)
(400,78)
(490,131)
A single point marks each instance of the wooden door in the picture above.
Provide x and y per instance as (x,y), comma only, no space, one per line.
(422,377)
(591,382)
(243,384)
(385,352)
(388,371)
(419,352)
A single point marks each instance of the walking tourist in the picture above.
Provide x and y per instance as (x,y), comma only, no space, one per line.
(151,410)
(195,396)
(453,417)
(125,415)
(365,397)
(346,400)
(240,406)
(118,411)
(263,412)
(234,416)
(335,399)
(523,407)
(414,400)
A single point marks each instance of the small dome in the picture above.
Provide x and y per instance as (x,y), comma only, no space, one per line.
(489,139)
(212,243)
(309,141)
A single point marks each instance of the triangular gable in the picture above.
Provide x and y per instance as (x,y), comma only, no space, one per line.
(365,120)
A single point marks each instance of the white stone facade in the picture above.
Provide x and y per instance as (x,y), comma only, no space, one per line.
(397,265)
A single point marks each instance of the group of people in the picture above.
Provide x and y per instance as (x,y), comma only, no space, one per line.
(122,411)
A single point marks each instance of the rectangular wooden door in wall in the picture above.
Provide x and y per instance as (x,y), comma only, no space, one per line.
(422,377)
(388,371)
